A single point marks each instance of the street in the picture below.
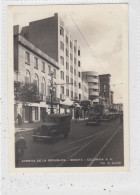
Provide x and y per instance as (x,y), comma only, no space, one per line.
(92,146)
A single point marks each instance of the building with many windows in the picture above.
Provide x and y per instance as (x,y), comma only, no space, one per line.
(52,37)
(31,65)
(93,85)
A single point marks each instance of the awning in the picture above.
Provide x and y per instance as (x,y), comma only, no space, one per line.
(67,102)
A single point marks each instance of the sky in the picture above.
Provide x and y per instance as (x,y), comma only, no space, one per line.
(99,31)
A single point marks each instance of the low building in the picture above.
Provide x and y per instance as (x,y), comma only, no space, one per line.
(31,65)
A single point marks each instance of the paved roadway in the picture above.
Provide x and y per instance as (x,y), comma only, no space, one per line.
(86,146)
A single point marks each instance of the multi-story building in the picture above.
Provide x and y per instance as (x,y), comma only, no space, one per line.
(105,91)
(93,85)
(31,65)
(104,81)
(53,38)
(111,99)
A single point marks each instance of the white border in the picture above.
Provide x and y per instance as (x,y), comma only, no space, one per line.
(98,183)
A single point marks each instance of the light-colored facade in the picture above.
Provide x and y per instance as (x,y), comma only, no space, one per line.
(31,65)
(93,85)
(52,37)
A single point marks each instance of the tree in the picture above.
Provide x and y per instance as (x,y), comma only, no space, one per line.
(26,93)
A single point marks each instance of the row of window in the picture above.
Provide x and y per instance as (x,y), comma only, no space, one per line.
(27,61)
(69,93)
(62,61)
(36,81)
(67,52)
(67,41)
(71,69)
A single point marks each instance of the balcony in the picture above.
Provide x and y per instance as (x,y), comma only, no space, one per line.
(41,98)
(94,93)
(92,80)
(62,97)
(93,86)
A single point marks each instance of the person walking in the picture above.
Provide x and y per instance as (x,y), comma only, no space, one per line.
(76,115)
(19,120)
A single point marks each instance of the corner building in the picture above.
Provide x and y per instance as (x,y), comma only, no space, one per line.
(51,36)
(31,65)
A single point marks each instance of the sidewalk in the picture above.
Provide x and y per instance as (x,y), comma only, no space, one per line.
(33,125)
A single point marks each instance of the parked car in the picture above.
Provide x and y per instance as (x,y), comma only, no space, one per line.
(54,125)
(94,119)
(20,145)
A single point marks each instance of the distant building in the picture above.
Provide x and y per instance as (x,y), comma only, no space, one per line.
(104,81)
(31,65)
(105,92)
(51,36)
(93,85)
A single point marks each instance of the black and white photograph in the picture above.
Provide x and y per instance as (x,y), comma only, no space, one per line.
(70,86)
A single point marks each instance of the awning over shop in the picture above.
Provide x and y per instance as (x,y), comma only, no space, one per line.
(67,102)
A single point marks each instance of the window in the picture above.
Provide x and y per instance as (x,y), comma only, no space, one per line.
(62,89)
(67,79)
(62,60)
(67,92)
(74,83)
(79,96)
(61,45)
(27,77)
(61,31)
(67,53)
(71,57)
(79,64)
(71,81)
(79,85)
(67,40)
(36,80)
(71,94)
(43,86)
(54,73)
(62,75)
(78,52)
(75,72)
(79,74)
(75,95)
(27,58)
(70,44)
(74,60)
(75,49)
(36,62)
(49,70)
(43,67)
(71,69)
(36,113)
(67,66)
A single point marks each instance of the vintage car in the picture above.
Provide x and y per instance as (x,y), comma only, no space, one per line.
(53,126)
(20,145)
(106,118)
(93,119)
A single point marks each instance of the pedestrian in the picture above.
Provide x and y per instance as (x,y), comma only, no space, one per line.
(76,115)
(19,120)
